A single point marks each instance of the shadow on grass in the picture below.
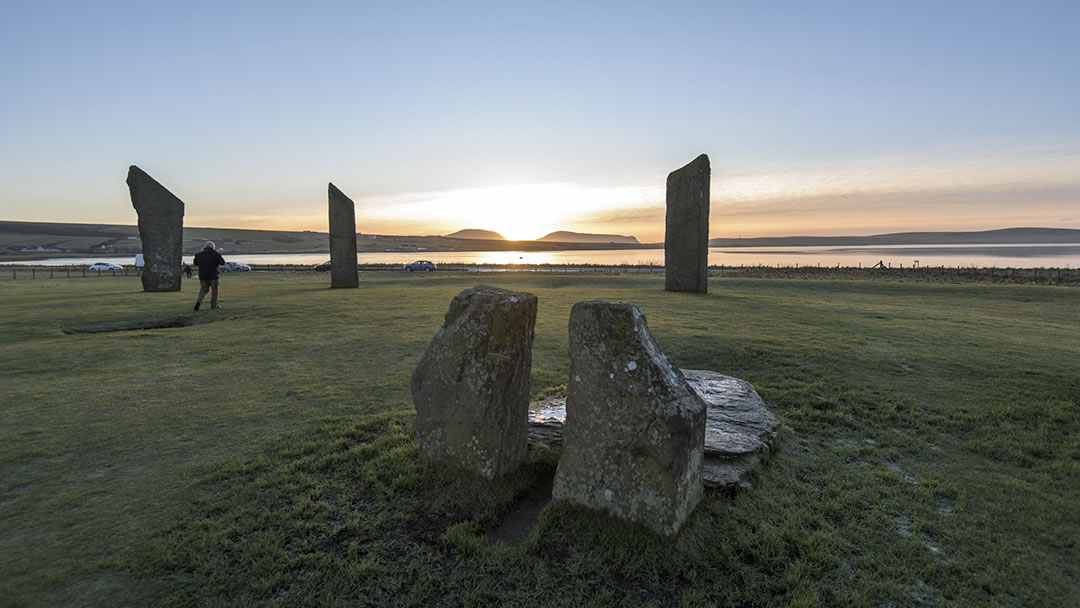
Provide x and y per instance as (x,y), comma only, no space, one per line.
(135,324)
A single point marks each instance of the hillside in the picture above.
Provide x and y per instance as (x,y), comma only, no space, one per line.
(476,233)
(565,236)
(985,237)
(26,240)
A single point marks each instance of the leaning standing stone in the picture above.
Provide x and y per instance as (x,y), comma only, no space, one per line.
(635,431)
(686,234)
(161,228)
(471,387)
(343,272)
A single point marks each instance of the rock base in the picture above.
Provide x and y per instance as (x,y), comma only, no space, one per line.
(740,432)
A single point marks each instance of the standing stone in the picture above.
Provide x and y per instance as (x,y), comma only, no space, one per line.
(686,234)
(471,387)
(634,438)
(161,228)
(343,272)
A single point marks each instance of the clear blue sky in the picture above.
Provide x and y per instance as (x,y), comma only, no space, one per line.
(819,117)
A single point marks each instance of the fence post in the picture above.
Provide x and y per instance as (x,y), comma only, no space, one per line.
(33,273)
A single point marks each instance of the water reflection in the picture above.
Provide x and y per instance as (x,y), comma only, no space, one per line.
(1012,255)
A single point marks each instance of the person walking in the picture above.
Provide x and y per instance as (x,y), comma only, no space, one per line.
(208,261)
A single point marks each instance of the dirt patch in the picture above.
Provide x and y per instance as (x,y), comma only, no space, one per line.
(524,514)
(181,321)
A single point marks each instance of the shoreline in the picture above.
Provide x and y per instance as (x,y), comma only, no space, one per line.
(1066,277)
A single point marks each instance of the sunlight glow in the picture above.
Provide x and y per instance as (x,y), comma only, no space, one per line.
(518,212)
(891,194)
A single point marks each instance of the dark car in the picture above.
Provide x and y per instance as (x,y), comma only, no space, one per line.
(324,267)
(424,265)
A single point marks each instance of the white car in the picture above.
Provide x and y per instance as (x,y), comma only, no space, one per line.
(235,267)
(99,266)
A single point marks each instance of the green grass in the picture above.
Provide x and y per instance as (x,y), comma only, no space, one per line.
(931,454)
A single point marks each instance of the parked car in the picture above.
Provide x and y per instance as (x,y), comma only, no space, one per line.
(234,267)
(325,266)
(424,265)
(99,266)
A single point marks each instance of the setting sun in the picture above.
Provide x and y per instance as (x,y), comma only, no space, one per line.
(518,212)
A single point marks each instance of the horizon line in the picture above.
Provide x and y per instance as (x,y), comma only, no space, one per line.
(739,237)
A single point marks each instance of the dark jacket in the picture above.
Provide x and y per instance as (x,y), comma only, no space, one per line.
(208,261)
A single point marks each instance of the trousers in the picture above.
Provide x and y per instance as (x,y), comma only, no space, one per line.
(212,287)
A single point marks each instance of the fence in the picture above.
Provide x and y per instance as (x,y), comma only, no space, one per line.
(18,273)
(959,274)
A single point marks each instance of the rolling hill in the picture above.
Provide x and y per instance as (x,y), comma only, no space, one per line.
(985,237)
(476,233)
(565,236)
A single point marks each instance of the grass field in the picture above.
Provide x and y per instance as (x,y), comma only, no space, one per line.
(931,451)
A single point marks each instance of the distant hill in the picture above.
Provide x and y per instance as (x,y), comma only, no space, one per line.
(476,233)
(27,240)
(69,239)
(565,236)
(985,237)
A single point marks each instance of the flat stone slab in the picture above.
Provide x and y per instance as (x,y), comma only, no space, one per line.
(740,432)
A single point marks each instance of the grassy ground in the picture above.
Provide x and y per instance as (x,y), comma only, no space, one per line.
(931,453)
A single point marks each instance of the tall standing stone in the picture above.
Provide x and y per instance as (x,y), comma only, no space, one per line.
(343,272)
(633,444)
(471,387)
(161,228)
(686,234)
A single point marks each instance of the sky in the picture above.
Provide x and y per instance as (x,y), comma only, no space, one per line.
(524,118)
